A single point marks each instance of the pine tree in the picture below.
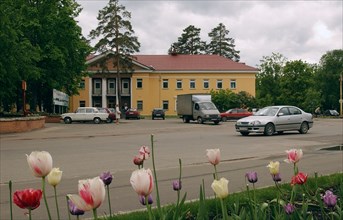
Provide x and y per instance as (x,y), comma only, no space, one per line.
(221,44)
(190,42)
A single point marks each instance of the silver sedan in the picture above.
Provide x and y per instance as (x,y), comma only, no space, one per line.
(272,119)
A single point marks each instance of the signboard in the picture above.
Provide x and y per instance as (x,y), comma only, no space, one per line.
(60,98)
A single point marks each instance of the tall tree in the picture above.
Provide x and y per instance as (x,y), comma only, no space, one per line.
(221,44)
(268,79)
(190,42)
(330,69)
(116,38)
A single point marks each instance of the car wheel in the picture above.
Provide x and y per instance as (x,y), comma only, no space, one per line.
(269,129)
(216,122)
(108,120)
(67,120)
(200,121)
(97,120)
(303,128)
(224,119)
(244,133)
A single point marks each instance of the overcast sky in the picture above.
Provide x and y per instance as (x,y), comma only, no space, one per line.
(297,29)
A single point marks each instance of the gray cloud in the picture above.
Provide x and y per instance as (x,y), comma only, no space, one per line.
(297,29)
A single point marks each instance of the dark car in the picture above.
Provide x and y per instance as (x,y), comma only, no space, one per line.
(157,113)
(111,115)
(331,113)
(236,113)
(132,113)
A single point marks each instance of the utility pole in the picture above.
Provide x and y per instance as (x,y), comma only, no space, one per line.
(340,96)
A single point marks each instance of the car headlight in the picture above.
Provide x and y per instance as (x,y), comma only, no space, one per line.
(255,123)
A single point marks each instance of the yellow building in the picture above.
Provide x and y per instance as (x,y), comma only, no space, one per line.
(158,79)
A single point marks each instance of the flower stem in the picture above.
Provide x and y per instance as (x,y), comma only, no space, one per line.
(148,207)
(215,172)
(30,214)
(58,211)
(11,208)
(155,176)
(68,207)
(95,215)
(44,195)
(225,216)
(109,200)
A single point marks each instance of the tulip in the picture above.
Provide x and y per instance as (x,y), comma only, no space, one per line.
(138,160)
(330,200)
(142,181)
(27,198)
(54,177)
(294,155)
(40,163)
(299,179)
(220,188)
(251,176)
(91,194)
(142,200)
(213,156)
(289,208)
(144,152)
(73,209)
(177,185)
(274,167)
(276,177)
(106,177)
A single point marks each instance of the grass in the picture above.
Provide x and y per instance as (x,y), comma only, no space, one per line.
(235,201)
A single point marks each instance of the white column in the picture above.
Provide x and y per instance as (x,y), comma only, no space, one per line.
(104,92)
(90,89)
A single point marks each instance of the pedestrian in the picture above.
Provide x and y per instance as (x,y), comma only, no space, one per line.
(117,114)
(317,111)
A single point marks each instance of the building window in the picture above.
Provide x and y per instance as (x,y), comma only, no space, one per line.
(219,84)
(82,103)
(111,86)
(165,84)
(206,84)
(179,84)
(192,84)
(82,84)
(139,105)
(125,89)
(97,87)
(165,104)
(139,83)
(233,84)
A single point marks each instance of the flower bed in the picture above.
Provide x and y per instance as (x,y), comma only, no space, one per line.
(21,124)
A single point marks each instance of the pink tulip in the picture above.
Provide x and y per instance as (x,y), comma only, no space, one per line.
(294,155)
(213,156)
(91,194)
(142,181)
(40,163)
(144,152)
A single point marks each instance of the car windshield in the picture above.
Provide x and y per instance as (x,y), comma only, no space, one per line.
(268,111)
(207,106)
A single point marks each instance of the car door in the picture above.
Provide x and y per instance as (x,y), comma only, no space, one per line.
(296,118)
(282,120)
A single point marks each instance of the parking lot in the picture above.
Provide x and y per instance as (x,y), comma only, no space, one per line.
(84,150)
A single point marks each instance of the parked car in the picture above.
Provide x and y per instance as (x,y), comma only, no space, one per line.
(83,114)
(331,113)
(132,113)
(275,119)
(235,113)
(157,113)
(111,115)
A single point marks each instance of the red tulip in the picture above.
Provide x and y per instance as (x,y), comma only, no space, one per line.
(294,155)
(27,198)
(299,179)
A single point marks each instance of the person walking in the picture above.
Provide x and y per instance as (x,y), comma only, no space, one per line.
(118,112)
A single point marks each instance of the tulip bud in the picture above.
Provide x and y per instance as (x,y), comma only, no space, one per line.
(54,177)
(276,177)
(251,176)
(177,185)
(142,200)
(330,199)
(144,151)
(106,177)
(220,188)
(213,156)
(138,160)
(40,163)
(74,210)
(289,208)
(274,167)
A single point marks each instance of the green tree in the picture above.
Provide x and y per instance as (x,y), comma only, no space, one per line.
(116,38)
(226,99)
(327,79)
(221,44)
(296,83)
(268,79)
(190,42)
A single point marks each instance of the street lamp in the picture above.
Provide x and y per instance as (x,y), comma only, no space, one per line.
(340,96)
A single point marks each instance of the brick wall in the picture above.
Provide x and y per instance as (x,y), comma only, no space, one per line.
(15,125)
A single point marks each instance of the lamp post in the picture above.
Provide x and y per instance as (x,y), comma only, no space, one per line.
(23,87)
(340,96)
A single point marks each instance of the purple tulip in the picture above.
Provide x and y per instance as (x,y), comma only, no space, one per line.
(276,177)
(142,199)
(177,185)
(289,208)
(251,176)
(330,199)
(106,177)
(74,210)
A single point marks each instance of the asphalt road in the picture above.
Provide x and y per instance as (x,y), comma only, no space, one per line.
(84,151)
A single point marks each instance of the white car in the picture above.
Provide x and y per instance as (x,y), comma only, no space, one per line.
(273,119)
(83,114)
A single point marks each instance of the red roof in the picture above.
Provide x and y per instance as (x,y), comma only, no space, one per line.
(191,63)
